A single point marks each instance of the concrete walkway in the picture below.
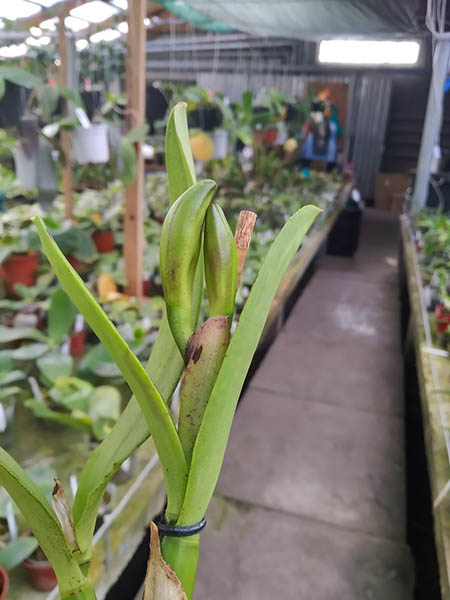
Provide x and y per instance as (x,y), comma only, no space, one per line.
(311,501)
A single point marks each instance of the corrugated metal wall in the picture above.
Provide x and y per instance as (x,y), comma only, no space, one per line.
(369,100)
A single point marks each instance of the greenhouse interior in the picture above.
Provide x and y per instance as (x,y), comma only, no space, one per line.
(224,237)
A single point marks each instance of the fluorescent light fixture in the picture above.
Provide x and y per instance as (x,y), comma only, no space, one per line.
(369,52)
(123,27)
(17,9)
(107,35)
(94,12)
(81,45)
(122,4)
(36,31)
(13,50)
(75,24)
(49,24)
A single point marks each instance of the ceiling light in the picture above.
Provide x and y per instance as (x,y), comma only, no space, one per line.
(94,12)
(18,9)
(36,31)
(81,45)
(123,27)
(107,35)
(147,22)
(369,52)
(49,24)
(123,4)
(13,50)
(75,24)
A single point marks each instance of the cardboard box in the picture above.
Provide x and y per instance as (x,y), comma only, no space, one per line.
(387,186)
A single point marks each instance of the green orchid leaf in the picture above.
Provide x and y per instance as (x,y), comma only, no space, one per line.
(137,134)
(16,551)
(129,162)
(54,365)
(179,161)
(213,434)
(13,334)
(2,87)
(40,517)
(20,76)
(164,367)
(42,411)
(61,316)
(153,407)
(29,351)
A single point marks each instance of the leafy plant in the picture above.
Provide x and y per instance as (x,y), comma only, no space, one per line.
(77,403)
(45,348)
(190,461)
(17,235)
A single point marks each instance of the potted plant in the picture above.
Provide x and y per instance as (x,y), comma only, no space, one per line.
(77,403)
(19,245)
(100,212)
(44,347)
(9,393)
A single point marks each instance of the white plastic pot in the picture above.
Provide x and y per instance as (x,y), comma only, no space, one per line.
(90,145)
(220,141)
(26,168)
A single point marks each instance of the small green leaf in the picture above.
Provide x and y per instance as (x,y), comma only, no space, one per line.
(20,76)
(129,162)
(179,161)
(61,315)
(54,365)
(137,134)
(16,551)
(2,87)
(30,351)
(13,334)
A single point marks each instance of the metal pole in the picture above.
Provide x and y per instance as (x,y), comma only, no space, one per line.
(432,124)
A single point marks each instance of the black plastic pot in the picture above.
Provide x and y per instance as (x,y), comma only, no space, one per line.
(205,118)
(343,239)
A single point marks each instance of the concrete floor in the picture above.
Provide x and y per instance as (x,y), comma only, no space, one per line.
(311,501)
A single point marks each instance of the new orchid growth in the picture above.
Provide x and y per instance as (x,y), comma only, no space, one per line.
(196,247)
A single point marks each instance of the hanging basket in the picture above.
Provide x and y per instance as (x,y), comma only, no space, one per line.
(90,145)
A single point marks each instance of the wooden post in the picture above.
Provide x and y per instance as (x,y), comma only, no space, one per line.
(134,210)
(65,139)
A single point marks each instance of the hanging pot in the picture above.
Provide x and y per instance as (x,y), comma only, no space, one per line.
(104,241)
(19,268)
(220,141)
(90,145)
(4,583)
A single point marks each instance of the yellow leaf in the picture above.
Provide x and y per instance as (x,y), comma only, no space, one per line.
(106,287)
(161,582)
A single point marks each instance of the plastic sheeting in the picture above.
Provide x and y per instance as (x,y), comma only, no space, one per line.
(302,19)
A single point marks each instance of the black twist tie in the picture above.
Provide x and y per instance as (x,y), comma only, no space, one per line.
(179,531)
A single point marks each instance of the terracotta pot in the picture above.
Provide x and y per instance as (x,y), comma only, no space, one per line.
(104,241)
(19,268)
(77,344)
(40,574)
(258,136)
(270,136)
(4,583)
(146,287)
(75,262)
